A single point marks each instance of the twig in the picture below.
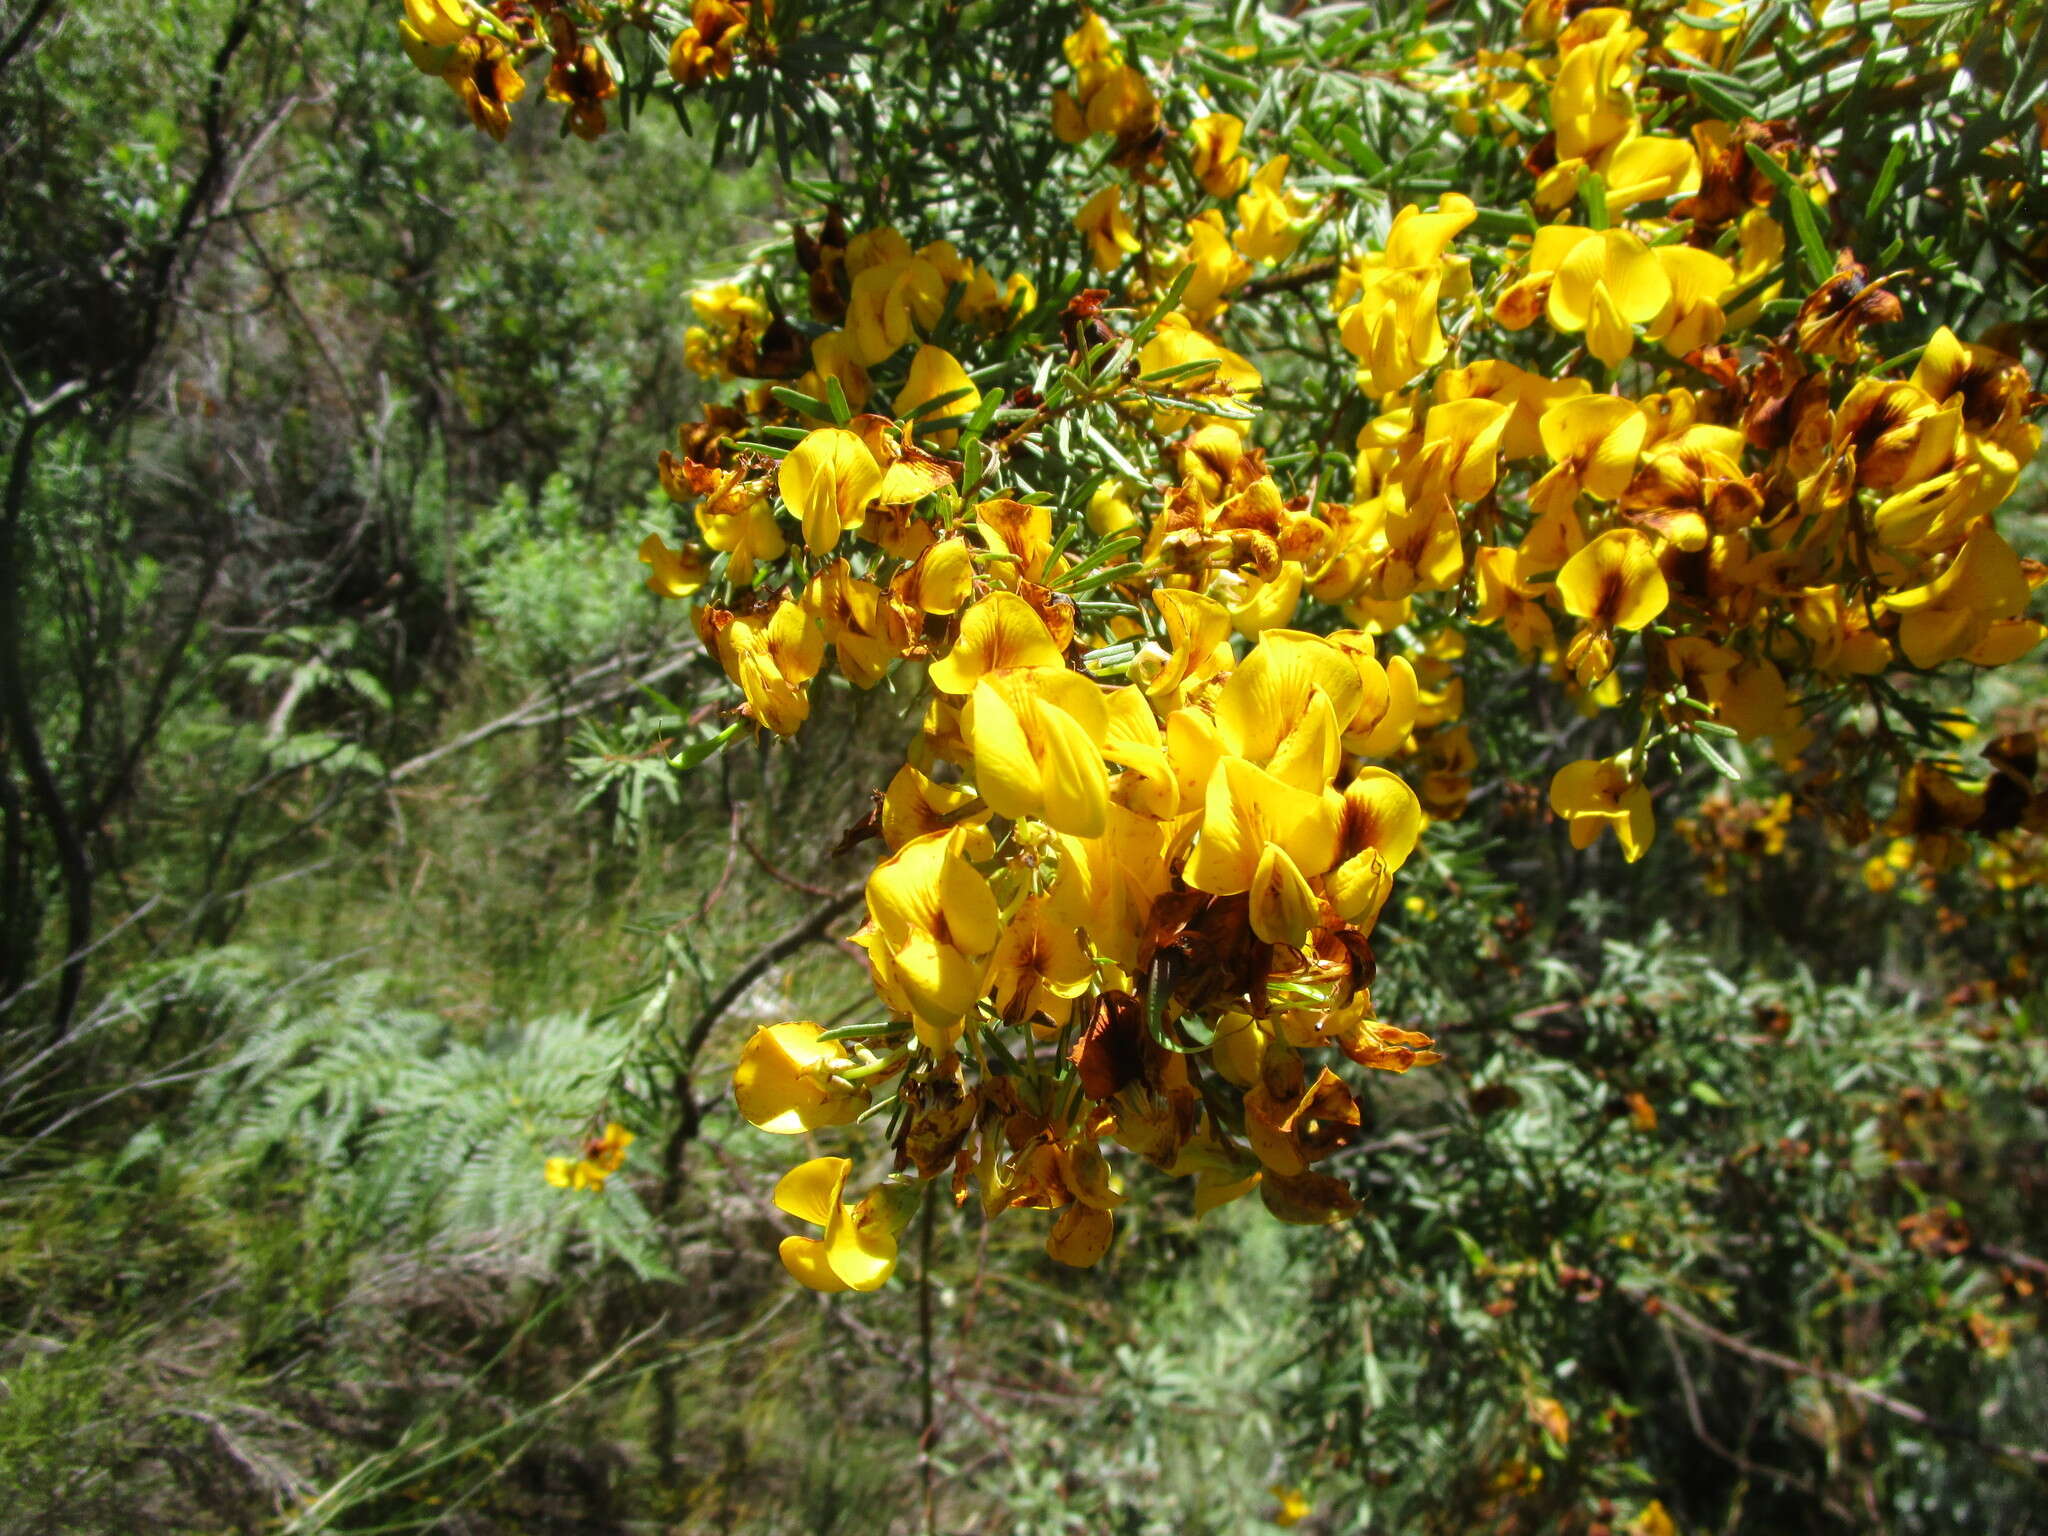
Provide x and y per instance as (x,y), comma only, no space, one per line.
(1699,1427)
(526,718)
(928,1424)
(1919,1417)
(788,942)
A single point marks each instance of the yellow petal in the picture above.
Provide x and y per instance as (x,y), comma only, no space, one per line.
(804,1258)
(999,633)
(810,1191)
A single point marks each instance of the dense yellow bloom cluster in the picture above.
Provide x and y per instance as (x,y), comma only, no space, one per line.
(1183,726)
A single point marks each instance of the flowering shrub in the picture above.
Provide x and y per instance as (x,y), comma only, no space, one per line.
(1180,474)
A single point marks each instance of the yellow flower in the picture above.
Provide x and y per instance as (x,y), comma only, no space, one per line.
(1110,508)
(703,50)
(1605,284)
(1294,1505)
(1213,154)
(1590,105)
(937,923)
(890,300)
(602,1157)
(1378,828)
(676,572)
(1593,796)
(858,1249)
(1110,236)
(1037,737)
(936,374)
(743,528)
(832,357)
(1041,965)
(828,480)
(1613,583)
(1593,442)
(1269,217)
(1529,395)
(1692,319)
(1175,341)
(858,623)
(783,1083)
(1000,633)
(1198,641)
(773,658)
(1263,835)
(1218,268)
(1951,614)
(430,29)
(1648,166)
(1387,300)
(940,579)
(482,75)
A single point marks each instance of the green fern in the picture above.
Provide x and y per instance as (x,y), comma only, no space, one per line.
(410,1131)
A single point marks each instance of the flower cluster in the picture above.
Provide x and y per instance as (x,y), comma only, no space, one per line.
(1185,719)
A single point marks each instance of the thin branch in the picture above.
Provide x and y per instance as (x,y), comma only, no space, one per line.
(1919,1417)
(18,39)
(535,712)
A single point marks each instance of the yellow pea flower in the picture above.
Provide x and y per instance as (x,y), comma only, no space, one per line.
(1041,965)
(936,922)
(783,1083)
(1648,166)
(773,658)
(889,301)
(1460,457)
(858,623)
(1037,736)
(940,579)
(1293,1506)
(1270,219)
(703,50)
(1593,796)
(1198,641)
(1607,283)
(1175,341)
(676,572)
(1110,508)
(914,805)
(430,29)
(1287,707)
(602,1157)
(1121,103)
(832,357)
(858,1249)
(934,374)
(1692,319)
(1109,232)
(1613,583)
(744,529)
(1218,267)
(1213,154)
(1590,105)
(828,480)
(1949,615)
(1378,828)
(1387,301)
(1593,442)
(1263,835)
(1000,633)
(1528,396)
(484,79)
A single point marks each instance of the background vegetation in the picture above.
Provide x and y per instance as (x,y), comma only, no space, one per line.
(343,885)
